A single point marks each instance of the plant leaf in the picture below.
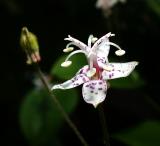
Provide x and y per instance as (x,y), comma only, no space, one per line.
(78,62)
(145,134)
(131,82)
(40,119)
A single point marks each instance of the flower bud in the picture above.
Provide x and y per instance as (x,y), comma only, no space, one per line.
(29,43)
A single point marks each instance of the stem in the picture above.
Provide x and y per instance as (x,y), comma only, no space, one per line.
(104,125)
(59,106)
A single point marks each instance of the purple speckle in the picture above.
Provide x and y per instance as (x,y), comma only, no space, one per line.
(84,80)
(110,75)
(100,83)
(92,87)
(99,88)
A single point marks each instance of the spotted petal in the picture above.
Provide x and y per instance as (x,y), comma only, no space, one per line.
(74,82)
(94,91)
(83,70)
(102,48)
(119,70)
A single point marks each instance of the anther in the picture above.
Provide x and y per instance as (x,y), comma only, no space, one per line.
(120,52)
(69,49)
(66,63)
(91,72)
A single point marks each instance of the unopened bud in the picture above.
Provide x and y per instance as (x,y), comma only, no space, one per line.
(29,43)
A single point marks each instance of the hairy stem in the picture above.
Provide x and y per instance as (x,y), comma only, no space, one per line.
(104,125)
(59,106)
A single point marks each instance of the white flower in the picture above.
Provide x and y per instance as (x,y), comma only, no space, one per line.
(94,76)
(106,5)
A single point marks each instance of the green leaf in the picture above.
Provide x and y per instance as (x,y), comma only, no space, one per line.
(145,134)
(131,82)
(40,119)
(78,62)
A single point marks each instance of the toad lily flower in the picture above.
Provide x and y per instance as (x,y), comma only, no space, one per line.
(94,76)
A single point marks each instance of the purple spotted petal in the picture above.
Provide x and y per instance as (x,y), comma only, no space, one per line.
(83,70)
(102,48)
(74,82)
(94,91)
(119,70)
(101,61)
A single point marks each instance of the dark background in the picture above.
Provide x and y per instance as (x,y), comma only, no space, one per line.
(136,27)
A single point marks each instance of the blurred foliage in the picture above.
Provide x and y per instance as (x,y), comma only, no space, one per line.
(39,118)
(78,62)
(154,5)
(145,134)
(131,82)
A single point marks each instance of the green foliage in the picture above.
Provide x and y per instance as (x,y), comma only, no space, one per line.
(154,5)
(131,82)
(40,120)
(78,61)
(145,134)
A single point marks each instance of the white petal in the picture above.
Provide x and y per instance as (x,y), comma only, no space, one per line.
(83,70)
(103,50)
(78,43)
(74,82)
(94,91)
(102,61)
(119,70)
(101,47)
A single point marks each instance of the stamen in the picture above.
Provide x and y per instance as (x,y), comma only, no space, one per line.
(113,44)
(119,52)
(110,34)
(90,40)
(91,72)
(75,52)
(66,63)
(77,43)
(94,39)
(68,45)
(68,49)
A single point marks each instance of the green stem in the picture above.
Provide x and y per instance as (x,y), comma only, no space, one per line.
(59,106)
(104,125)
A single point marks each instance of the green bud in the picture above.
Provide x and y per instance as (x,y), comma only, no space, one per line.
(29,43)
